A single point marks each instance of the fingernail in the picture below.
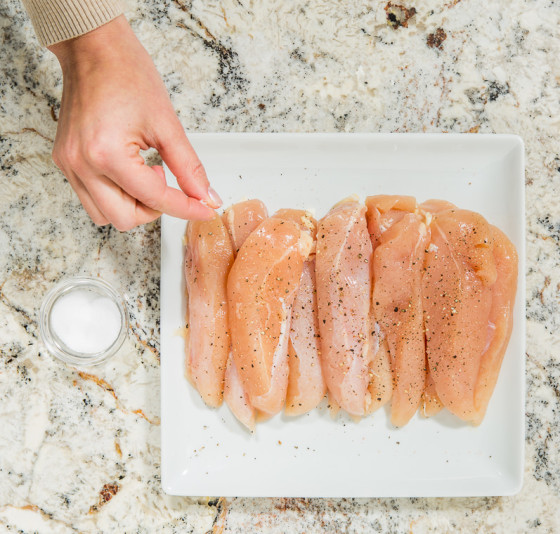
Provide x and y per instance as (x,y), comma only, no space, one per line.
(214,197)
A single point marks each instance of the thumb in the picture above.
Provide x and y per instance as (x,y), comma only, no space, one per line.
(182,160)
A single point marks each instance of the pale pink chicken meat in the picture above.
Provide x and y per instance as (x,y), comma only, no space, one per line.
(400,238)
(208,259)
(460,271)
(343,277)
(262,286)
(306,386)
(410,303)
(380,386)
(385,210)
(241,220)
(500,321)
(431,404)
(237,398)
(434,205)
(302,218)
(332,405)
(500,318)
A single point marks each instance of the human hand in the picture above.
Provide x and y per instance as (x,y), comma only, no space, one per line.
(114,104)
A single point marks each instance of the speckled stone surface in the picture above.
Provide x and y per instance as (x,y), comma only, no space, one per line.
(80,451)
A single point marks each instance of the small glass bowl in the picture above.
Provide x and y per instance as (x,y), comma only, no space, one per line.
(52,341)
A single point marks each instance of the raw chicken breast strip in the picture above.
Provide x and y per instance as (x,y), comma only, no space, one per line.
(433,206)
(430,403)
(385,210)
(380,375)
(302,218)
(236,396)
(500,321)
(306,386)
(208,259)
(401,237)
(343,275)
(241,219)
(262,286)
(457,292)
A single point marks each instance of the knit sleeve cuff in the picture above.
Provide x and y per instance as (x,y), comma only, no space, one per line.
(59,20)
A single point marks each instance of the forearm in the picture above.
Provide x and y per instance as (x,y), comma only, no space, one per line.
(59,20)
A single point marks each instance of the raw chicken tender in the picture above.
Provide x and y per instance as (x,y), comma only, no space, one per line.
(500,321)
(262,286)
(457,290)
(236,396)
(430,404)
(400,238)
(240,220)
(208,259)
(306,386)
(391,301)
(343,275)
(302,218)
(385,210)
(433,206)
(380,386)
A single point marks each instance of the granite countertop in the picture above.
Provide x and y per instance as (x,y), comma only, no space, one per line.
(80,451)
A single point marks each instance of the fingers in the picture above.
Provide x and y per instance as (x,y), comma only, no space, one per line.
(105,202)
(121,209)
(135,193)
(145,184)
(115,185)
(159,171)
(181,158)
(85,198)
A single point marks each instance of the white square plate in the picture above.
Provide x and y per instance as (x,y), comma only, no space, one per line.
(208,453)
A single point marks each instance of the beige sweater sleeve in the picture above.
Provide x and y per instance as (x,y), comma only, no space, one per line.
(59,20)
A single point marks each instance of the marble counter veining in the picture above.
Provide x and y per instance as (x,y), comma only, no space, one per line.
(80,451)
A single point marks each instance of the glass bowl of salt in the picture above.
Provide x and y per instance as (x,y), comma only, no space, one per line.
(83,321)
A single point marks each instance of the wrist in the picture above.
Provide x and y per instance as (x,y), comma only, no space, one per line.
(96,45)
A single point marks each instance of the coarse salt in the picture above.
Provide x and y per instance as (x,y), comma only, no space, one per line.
(85,321)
